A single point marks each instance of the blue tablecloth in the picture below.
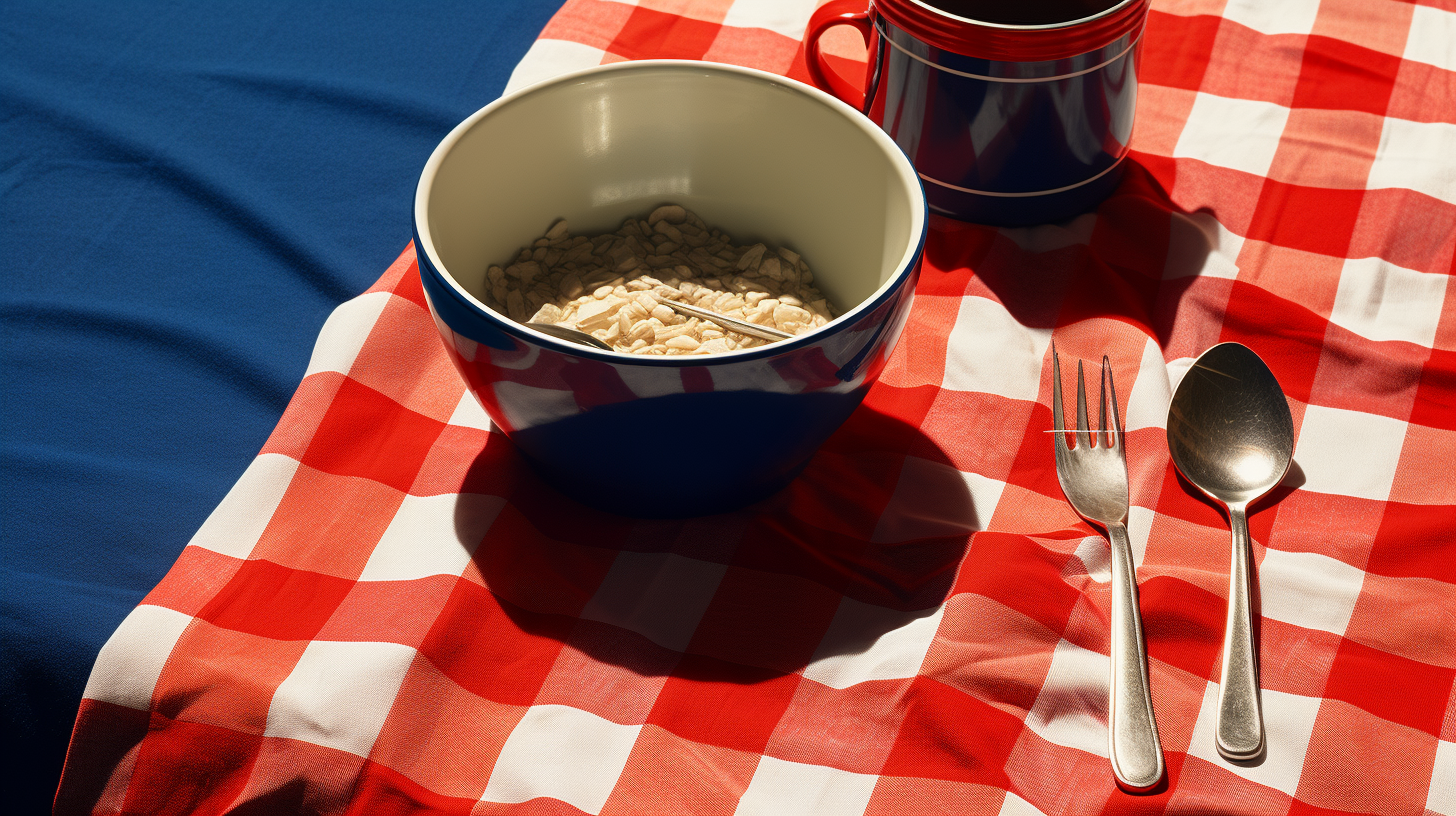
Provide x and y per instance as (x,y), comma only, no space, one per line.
(186,191)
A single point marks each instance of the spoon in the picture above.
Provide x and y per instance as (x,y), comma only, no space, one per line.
(571,335)
(1230,434)
(730,323)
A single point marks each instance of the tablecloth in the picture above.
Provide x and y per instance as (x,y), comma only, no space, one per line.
(390,613)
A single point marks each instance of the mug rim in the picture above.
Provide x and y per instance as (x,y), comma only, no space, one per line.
(1110,10)
(907,263)
(1004,42)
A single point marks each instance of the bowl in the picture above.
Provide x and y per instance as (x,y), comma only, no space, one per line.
(759,156)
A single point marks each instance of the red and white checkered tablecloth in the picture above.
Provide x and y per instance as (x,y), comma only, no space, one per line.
(389,613)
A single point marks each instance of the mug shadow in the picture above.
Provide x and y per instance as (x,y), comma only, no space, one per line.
(1134,258)
(865,541)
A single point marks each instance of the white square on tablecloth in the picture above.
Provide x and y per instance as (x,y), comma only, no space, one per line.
(1349,453)
(344,333)
(1147,399)
(782,788)
(1381,301)
(659,596)
(1441,797)
(988,351)
(1014,805)
(930,501)
(1432,32)
(563,753)
(469,414)
(1308,589)
(1199,245)
(1240,134)
(127,668)
(1404,158)
(547,59)
(788,17)
(339,694)
(893,649)
(431,535)
(1284,17)
(1071,708)
(1288,727)
(235,525)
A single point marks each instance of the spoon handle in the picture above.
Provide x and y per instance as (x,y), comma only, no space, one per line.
(1136,753)
(1240,731)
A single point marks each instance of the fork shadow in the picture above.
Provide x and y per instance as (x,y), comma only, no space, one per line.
(866,540)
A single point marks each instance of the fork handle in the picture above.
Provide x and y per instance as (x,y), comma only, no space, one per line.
(1136,753)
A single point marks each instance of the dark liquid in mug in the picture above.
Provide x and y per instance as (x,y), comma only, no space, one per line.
(1023,12)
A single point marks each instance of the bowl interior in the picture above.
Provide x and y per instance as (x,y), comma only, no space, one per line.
(754,155)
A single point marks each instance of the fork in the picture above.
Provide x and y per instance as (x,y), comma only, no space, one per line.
(1094,479)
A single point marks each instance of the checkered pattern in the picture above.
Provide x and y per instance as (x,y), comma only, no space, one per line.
(389,613)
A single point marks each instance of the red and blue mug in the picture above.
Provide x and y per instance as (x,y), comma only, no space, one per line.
(1012,113)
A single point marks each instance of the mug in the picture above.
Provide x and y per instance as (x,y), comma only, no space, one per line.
(1012,113)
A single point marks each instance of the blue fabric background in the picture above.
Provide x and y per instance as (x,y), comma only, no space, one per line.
(186,191)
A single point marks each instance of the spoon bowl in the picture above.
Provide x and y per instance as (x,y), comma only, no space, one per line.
(1231,435)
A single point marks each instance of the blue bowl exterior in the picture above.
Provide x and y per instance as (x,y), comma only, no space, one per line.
(668,436)
(1005,143)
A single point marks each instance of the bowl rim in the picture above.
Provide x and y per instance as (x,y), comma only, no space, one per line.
(908,262)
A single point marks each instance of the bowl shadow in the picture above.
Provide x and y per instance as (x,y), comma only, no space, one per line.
(864,541)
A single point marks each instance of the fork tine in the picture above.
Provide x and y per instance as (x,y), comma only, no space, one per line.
(1115,431)
(1059,427)
(1084,439)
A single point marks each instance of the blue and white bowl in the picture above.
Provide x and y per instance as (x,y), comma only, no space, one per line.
(759,156)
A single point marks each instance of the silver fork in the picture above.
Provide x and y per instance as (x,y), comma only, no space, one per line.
(1094,480)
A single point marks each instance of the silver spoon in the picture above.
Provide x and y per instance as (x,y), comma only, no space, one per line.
(1230,434)
(730,323)
(570,335)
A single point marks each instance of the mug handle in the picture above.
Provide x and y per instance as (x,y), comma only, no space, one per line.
(836,12)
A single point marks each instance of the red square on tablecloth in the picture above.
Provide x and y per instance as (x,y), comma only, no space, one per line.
(667,774)
(1327,148)
(200,684)
(608,671)
(493,648)
(1176,49)
(949,734)
(1247,64)
(649,33)
(1326,81)
(853,729)
(1404,691)
(276,602)
(366,434)
(1384,599)
(1405,546)
(765,620)
(197,781)
(747,703)
(312,530)
(1359,763)
(301,418)
(986,652)
(1203,787)
(404,359)
(443,736)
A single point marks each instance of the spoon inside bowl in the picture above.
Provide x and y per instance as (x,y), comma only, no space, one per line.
(570,335)
(1230,434)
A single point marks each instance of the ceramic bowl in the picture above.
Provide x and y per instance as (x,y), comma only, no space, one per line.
(759,156)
